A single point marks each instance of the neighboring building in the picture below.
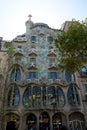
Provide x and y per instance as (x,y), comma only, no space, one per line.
(35,94)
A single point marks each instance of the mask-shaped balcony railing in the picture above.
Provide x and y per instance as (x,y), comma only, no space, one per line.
(32,65)
(33,51)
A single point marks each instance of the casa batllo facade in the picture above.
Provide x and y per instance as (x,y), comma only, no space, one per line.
(34,94)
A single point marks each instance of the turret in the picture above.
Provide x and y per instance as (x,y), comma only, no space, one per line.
(29,24)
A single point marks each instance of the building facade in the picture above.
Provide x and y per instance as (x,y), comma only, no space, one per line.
(35,95)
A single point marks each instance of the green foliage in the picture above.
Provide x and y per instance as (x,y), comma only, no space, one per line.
(72,47)
(9,47)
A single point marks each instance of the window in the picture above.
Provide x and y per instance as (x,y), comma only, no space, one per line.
(32,75)
(27,98)
(51,95)
(73,96)
(84,71)
(15,74)
(68,76)
(36,96)
(51,60)
(33,38)
(19,46)
(85,87)
(13,96)
(31,122)
(52,75)
(60,97)
(49,39)
(33,60)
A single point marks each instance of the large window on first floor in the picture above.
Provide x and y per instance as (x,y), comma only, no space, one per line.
(73,96)
(55,96)
(60,97)
(32,97)
(13,96)
(27,97)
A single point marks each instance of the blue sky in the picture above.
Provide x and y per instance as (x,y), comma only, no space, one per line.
(14,13)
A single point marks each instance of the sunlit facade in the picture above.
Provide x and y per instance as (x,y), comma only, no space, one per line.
(36,95)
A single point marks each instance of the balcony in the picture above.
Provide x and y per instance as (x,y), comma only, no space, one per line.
(33,52)
(19,62)
(32,65)
(52,53)
(52,66)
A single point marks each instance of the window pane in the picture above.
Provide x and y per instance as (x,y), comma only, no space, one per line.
(68,76)
(15,74)
(73,96)
(36,96)
(60,97)
(33,38)
(32,75)
(13,96)
(49,39)
(33,60)
(85,88)
(51,95)
(53,75)
(27,98)
(84,71)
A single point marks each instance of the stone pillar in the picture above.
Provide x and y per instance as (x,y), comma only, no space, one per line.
(37,122)
(67,121)
(20,124)
(51,125)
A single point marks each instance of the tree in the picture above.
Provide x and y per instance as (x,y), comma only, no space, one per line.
(72,47)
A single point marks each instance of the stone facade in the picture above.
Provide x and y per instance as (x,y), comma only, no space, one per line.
(36,95)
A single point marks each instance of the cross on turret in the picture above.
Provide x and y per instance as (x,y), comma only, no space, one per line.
(29,17)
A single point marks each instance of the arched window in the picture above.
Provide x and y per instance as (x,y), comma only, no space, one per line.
(36,96)
(60,97)
(84,71)
(56,121)
(27,97)
(73,96)
(31,122)
(15,74)
(44,121)
(76,121)
(13,96)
